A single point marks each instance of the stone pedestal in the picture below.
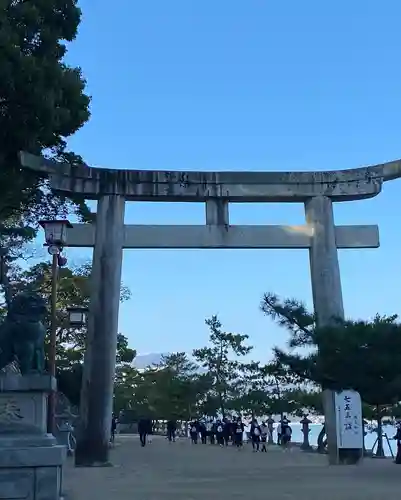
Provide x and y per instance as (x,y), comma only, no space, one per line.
(30,459)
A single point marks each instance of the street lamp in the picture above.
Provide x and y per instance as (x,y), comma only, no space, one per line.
(55,234)
(77,316)
(56,238)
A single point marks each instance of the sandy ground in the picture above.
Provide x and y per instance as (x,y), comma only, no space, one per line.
(181,471)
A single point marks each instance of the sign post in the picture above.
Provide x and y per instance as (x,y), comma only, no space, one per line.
(349,426)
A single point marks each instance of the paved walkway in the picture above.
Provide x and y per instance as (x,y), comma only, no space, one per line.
(180,471)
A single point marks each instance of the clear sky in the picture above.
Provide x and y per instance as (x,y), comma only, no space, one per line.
(242,85)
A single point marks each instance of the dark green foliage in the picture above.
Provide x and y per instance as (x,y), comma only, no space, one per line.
(361,355)
(307,401)
(220,359)
(173,389)
(42,103)
(73,291)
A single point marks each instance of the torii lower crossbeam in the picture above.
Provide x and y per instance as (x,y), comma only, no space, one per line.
(215,236)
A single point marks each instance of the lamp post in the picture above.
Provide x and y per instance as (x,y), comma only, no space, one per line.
(56,238)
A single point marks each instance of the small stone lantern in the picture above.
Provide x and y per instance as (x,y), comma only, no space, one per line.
(270,426)
(305,422)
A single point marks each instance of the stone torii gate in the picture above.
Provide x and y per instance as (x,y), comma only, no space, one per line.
(109,236)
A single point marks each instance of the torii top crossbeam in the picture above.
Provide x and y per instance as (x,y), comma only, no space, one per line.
(159,185)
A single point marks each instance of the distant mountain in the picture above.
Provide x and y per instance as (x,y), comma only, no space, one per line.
(142,361)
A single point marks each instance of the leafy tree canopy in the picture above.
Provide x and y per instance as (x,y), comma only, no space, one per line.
(73,291)
(172,389)
(221,359)
(42,103)
(361,355)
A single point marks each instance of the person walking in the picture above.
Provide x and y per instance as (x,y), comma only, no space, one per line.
(233,426)
(203,432)
(220,433)
(194,432)
(171,430)
(239,430)
(286,433)
(255,435)
(113,428)
(209,428)
(226,431)
(264,433)
(144,428)
(213,433)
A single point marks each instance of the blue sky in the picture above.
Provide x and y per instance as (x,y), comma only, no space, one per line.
(242,85)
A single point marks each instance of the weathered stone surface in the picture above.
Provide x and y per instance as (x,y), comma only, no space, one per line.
(23,404)
(220,236)
(153,185)
(24,439)
(48,483)
(22,409)
(30,459)
(217,212)
(33,472)
(100,355)
(326,287)
(17,484)
(34,383)
(33,455)
(325,269)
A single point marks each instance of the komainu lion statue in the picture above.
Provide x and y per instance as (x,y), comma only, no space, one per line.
(22,334)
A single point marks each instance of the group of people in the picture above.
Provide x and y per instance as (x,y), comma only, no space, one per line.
(224,431)
(220,432)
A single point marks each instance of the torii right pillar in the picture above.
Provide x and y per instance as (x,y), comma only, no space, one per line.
(328,303)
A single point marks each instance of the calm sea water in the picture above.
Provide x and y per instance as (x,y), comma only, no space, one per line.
(370,438)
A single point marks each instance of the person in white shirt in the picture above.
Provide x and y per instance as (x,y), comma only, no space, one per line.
(209,426)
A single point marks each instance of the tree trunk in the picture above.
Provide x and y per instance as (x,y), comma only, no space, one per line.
(280,402)
(222,409)
(380,451)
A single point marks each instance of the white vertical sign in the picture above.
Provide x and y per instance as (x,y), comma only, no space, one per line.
(349,428)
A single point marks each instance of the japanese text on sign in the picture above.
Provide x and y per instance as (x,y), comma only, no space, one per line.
(349,420)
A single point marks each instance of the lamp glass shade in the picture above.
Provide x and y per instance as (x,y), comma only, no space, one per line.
(55,231)
(77,317)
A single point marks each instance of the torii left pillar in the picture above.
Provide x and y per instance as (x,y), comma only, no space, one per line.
(100,355)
